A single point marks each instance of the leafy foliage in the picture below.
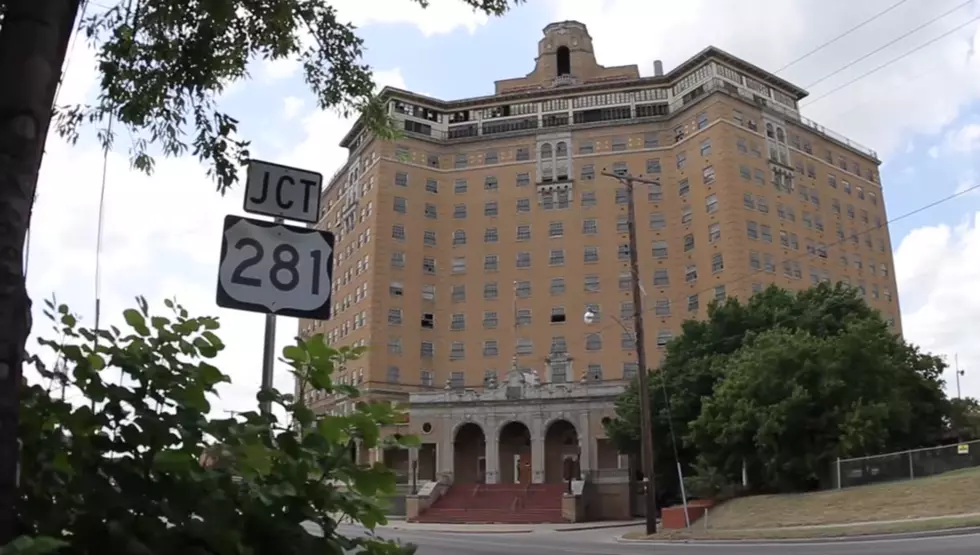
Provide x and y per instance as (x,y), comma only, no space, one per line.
(125,472)
(964,418)
(784,382)
(163,64)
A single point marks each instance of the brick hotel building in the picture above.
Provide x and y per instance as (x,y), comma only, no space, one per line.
(469,249)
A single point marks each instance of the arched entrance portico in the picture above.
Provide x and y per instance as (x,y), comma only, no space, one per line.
(469,459)
(352,450)
(561,452)
(515,453)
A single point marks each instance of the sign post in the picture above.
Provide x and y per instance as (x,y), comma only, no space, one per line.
(271,267)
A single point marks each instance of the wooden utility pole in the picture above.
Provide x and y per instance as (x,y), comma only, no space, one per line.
(34,38)
(639,338)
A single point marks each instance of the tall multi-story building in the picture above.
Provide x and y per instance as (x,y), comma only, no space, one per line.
(469,249)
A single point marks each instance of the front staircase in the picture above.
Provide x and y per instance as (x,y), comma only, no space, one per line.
(498,504)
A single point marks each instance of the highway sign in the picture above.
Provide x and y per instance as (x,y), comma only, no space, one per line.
(275,268)
(283,192)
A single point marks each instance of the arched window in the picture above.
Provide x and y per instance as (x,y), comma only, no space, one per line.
(546,151)
(769,131)
(564,58)
(561,150)
(780,136)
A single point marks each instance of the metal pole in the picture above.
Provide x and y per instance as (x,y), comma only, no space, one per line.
(673,441)
(840,481)
(911,468)
(268,354)
(956,368)
(680,478)
(646,416)
(415,476)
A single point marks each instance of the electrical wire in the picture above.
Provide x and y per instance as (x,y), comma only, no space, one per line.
(890,62)
(842,35)
(805,255)
(897,39)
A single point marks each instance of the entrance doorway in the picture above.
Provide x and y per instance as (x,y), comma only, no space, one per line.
(468,450)
(515,454)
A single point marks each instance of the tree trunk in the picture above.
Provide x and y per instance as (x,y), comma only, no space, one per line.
(33,43)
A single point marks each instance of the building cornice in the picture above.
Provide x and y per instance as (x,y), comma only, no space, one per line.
(670,78)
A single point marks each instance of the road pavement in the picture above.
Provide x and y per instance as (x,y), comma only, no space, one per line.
(603,542)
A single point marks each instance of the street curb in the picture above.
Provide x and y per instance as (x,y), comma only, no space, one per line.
(443,531)
(599,527)
(949,532)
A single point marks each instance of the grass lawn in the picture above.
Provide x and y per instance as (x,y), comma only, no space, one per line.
(838,512)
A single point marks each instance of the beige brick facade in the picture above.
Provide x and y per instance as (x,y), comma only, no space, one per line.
(494,204)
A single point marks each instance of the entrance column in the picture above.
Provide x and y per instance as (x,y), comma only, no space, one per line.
(445,451)
(492,454)
(413,462)
(586,446)
(537,458)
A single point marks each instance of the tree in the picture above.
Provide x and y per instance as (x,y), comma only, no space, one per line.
(125,472)
(162,64)
(700,358)
(964,418)
(791,402)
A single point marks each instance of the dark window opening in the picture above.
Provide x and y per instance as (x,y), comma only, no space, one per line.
(564,61)
(557,318)
(428,320)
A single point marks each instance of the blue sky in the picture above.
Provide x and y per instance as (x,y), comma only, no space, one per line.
(921,113)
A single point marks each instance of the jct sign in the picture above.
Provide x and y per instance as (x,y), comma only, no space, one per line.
(283,192)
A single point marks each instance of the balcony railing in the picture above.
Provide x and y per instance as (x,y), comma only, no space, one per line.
(648,113)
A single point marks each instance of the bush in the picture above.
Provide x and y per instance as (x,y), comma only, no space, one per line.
(121,472)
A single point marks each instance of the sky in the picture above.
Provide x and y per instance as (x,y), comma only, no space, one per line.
(921,114)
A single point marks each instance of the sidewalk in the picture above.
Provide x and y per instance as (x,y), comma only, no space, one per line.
(911,527)
(506,528)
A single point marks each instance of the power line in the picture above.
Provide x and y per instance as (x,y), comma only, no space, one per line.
(834,244)
(842,35)
(890,62)
(71,49)
(886,45)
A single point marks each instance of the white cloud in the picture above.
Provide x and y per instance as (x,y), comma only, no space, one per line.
(441,17)
(964,139)
(920,94)
(274,70)
(968,183)
(938,269)
(162,234)
(934,152)
(291,106)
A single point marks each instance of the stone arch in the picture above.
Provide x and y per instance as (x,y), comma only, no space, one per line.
(514,445)
(469,453)
(561,450)
(563,59)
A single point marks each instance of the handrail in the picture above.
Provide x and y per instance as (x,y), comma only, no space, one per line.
(675,105)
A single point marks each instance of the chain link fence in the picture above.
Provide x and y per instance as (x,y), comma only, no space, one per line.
(905,465)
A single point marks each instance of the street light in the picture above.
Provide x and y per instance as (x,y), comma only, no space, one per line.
(958,372)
